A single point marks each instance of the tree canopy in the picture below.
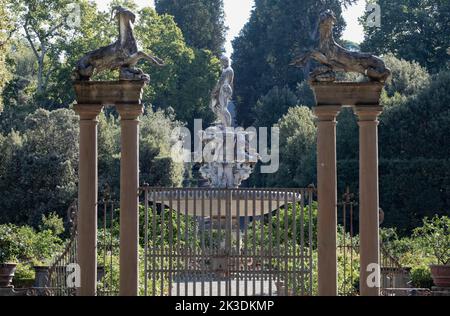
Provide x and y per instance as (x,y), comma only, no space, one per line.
(5,34)
(276,32)
(185,83)
(201,21)
(414,30)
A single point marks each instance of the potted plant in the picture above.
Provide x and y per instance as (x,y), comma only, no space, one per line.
(8,255)
(434,236)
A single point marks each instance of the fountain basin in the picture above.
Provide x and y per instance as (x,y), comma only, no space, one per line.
(224,202)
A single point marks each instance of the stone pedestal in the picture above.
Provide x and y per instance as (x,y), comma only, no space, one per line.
(91,96)
(327,199)
(129,199)
(87,198)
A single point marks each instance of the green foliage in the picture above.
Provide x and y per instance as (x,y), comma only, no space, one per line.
(39,171)
(23,271)
(276,32)
(275,104)
(10,248)
(434,236)
(96,30)
(163,226)
(53,223)
(201,21)
(164,172)
(297,150)
(305,94)
(427,136)
(407,78)
(421,277)
(347,139)
(348,263)
(277,232)
(109,152)
(32,18)
(185,83)
(5,29)
(157,167)
(416,30)
(414,165)
(25,245)
(18,104)
(285,218)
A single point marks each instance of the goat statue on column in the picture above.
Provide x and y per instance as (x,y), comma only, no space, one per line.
(334,58)
(122,55)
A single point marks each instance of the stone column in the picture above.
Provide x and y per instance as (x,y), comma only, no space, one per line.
(87,198)
(129,199)
(327,199)
(369,200)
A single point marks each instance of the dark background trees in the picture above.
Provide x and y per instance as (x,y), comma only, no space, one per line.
(6,27)
(38,131)
(415,30)
(201,21)
(276,32)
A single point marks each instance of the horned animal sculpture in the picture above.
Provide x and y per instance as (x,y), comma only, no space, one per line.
(122,55)
(334,57)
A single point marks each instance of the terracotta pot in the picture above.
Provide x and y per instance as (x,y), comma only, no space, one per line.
(441,275)
(7,271)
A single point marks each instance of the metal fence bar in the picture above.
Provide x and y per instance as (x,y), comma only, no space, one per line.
(246,254)
(194,248)
(203,246)
(146,242)
(243,245)
(186,250)
(254,254)
(286,229)
(262,250)
(154,243)
(310,236)
(278,243)
(237,259)
(302,240)
(270,244)
(178,197)
(294,243)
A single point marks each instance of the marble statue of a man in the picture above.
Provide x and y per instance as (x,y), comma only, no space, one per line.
(223,93)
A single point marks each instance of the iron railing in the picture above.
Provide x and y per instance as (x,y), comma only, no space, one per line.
(393,274)
(58,272)
(228,242)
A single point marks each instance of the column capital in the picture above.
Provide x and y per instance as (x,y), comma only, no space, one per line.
(368,113)
(130,111)
(88,111)
(327,113)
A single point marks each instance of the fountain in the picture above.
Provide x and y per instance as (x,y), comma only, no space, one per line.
(230,156)
(229,166)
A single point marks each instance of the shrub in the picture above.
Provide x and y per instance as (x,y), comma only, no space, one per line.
(9,247)
(53,223)
(26,246)
(421,277)
(434,236)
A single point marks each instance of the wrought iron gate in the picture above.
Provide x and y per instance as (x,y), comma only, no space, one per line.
(393,275)
(228,242)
